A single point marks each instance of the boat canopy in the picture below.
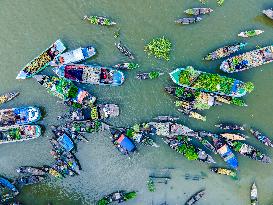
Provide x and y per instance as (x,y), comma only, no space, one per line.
(126,143)
(66,142)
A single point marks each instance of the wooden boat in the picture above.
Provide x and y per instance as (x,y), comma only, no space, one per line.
(268,13)
(7,184)
(74,56)
(168,129)
(32,170)
(191,152)
(192,114)
(150,75)
(126,66)
(248,60)
(225,152)
(118,197)
(18,116)
(190,78)
(225,51)
(251,33)
(249,151)
(195,198)
(224,126)
(67,158)
(205,100)
(62,168)
(254,194)
(124,50)
(96,75)
(224,171)
(20,133)
(198,11)
(66,90)
(98,20)
(86,126)
(187,21)
(8,97)
(123,143)
(42,61)
(232,137)
(262,138)
(28,180)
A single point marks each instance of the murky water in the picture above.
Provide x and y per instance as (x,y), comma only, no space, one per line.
(28,27)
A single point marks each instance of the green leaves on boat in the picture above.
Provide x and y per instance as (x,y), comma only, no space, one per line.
(154,74)
(130,195)
(151,185)
(159,47)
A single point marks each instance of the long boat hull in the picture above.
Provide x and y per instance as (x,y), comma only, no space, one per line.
(8,97)
(225,51)
(248,60)
(74,56)
(198,11)
(235,87)
(187,21)
(96,75)
(42,61)
(21,133)
(18,116)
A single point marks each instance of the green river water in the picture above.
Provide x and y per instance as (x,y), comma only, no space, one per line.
(30,26)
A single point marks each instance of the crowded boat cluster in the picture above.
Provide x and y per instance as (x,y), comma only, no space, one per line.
(196,90)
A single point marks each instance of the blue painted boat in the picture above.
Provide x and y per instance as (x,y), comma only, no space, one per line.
(96,75)
(66,142)
(225,152)
(74,56)
(5,183)
(42,61)
(19,116)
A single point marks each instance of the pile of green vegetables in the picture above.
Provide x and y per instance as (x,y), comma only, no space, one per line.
(159,47)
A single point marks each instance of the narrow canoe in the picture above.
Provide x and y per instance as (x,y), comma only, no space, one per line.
(254,194)
(187,21)
(225,51)
(198,11)
(251,33)
(8,97)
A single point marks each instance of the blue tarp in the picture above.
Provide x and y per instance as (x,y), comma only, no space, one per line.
(128,144)
(66,142)
(7,184)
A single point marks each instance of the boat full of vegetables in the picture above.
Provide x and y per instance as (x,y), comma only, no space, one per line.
(250,33)
(42,61)
(99,20)
(66,90)
(190,78)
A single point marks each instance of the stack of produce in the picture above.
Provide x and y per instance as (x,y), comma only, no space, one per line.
(200,90)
